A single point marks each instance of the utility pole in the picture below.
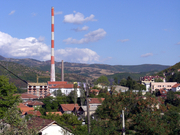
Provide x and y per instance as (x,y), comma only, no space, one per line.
(87,100)
(123,123)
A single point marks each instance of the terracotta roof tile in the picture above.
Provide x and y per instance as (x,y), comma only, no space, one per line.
(34,103)
(24,108)
(38,123)
(175,85)
(94,90)
(68,107)
(57,82)
(37,113)
(96,100)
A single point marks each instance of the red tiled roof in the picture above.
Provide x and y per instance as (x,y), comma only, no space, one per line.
(175,85)
(63,86)
(27,96)
(34,103)
(96,100)
(56,113)
(24,108)
(57,82)
(94,90)
(37,113)
(38,123)
(163,91)
(68,107)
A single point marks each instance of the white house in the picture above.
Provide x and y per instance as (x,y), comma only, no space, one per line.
(47,127)
(176,87)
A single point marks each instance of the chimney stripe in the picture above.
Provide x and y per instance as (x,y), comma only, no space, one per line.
(52,47)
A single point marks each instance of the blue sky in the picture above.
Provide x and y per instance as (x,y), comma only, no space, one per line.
(118,32)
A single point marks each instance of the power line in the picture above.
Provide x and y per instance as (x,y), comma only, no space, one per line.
(14,74)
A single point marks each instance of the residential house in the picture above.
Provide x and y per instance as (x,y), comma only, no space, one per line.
(176,87)
(24,109)
(96,101)
(118,88)
(34,104)
(67,108)
(25,97)
(147,80)
(103,86)
(92,110)
(47,127)
(160,85)
(95,92)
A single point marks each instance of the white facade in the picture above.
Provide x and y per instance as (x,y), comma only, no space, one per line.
(176,89)
(54,129)
(65,91)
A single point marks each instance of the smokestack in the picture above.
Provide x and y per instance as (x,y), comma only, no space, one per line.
(62,71)
(52,46)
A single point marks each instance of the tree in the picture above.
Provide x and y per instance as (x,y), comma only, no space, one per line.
(123,82)
(82,94)
(7,99)
(102,79)
(115,80)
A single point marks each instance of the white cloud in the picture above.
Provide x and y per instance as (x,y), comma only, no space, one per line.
(85,28)
(123,40)
(90,37)
(178,43)
(58,13)
(12,12)
(147,55)
(84,55)
(41,39)
(34,48)
(78,18)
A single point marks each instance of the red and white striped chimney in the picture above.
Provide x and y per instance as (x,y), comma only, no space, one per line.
(52,46)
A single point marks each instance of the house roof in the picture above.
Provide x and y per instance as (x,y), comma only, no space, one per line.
(57,82)
(37,113)
(68,107)
(27,96)
(39,123)
(94,90)
(56,113)
(24,108)
(33,103)
(176,85)
(96,100)
(163,91)
(63,86)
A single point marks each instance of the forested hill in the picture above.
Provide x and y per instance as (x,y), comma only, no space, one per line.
(88,70)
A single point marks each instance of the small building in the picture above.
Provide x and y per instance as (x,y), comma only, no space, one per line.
(92,110)
(67,108)
(25,97)
(160,85)
(95,92)
(119,88)
(63,86)
(176,87)
(34,104)
(47,127)
(38,89)
(95,101)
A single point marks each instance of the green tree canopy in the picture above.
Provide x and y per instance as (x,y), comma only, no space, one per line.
(102,79)
(7,99)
